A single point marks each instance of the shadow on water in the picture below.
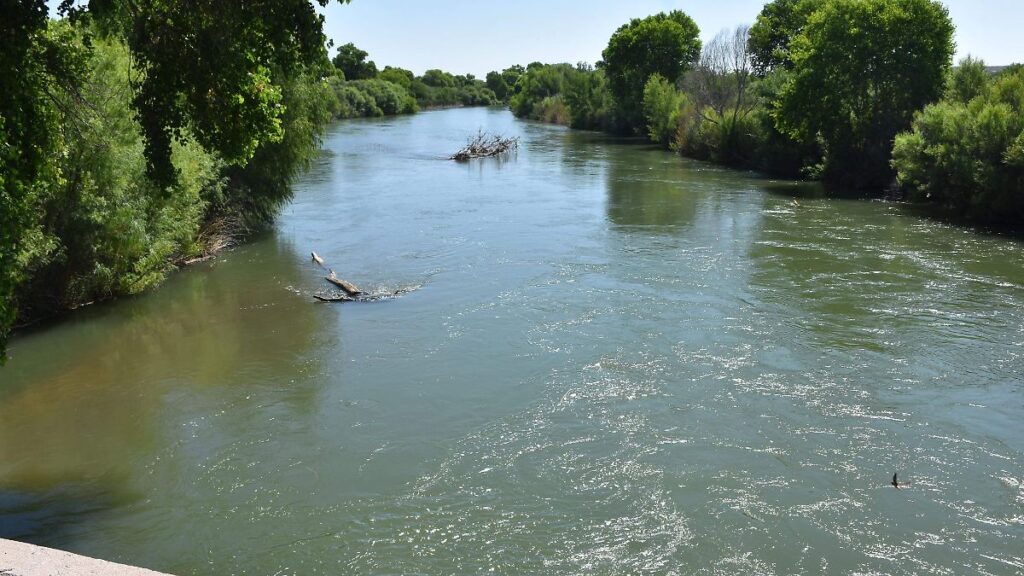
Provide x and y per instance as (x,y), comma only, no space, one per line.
(52,517)
(805,189)
(82,425)
(792,188)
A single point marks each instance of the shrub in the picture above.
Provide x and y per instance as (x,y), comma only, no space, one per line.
(969,156)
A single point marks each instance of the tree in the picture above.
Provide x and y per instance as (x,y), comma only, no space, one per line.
(968,154)
(541,81)
(721,79)
(35,63)
(502,83)
(353,64)
(665,44)
(214,69)
(589,100)
(399,76)
(778,23)
(438,79)
(663,105)
(861,68)
(968,81)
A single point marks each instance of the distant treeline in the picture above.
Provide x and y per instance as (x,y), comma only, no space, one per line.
(858,93)
(363,91)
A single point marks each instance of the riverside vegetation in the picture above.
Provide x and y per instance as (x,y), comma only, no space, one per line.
(861,94)
(136,140)
(116,166)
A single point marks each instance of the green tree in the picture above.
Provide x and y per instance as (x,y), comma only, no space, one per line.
(502,83)
(398,76)
(541,81)
(210,71)
(663,105)
(968,156)
(215,67)
(589,100)
(35,64)
(665,44)
(778,23)
(861,68)
(968,80)
(105,228)
(353,64)
(438,79)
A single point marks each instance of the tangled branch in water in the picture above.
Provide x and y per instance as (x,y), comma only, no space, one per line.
(484,145)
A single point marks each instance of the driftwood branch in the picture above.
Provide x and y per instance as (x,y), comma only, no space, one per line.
(348,287)
(484,145)
(333,298)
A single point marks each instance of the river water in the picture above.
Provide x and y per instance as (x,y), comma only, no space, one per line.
(610,361)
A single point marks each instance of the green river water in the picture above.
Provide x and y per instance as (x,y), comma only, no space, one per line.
(610,361)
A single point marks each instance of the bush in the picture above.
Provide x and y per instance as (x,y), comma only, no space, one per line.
(553,110)
(969,156)
(849,91)
(662,106)
(590,102)
(539,82)
(370,98)
(107,229)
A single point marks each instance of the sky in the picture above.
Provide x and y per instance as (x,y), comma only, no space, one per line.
(477,36)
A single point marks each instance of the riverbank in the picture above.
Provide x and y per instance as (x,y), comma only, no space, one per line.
(20,559)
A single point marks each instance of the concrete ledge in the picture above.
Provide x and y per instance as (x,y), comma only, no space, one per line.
(18,559)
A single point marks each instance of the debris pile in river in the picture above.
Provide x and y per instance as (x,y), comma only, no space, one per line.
(484,145)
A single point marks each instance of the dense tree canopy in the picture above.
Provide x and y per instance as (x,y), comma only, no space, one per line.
(966,152)
(35,64)
(212,71)
(861,68)
(214,66)
(778,23)
(353,63)
(399,76)
(665,44)
(502,83)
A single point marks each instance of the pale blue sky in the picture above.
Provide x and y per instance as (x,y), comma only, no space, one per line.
(476,36)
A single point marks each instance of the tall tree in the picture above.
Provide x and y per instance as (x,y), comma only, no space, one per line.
(353,63)
(778,23)
(665,44)
(34,64)
(216,68)
(861,68)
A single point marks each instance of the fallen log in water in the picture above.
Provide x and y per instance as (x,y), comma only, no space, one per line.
(348,287)
(484,145)
(362,297)
(333,298)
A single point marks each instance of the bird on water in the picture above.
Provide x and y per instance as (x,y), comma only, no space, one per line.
(895,482)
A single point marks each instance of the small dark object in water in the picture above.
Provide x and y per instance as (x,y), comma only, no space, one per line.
(895,482)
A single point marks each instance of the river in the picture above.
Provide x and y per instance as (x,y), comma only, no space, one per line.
(609,360)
